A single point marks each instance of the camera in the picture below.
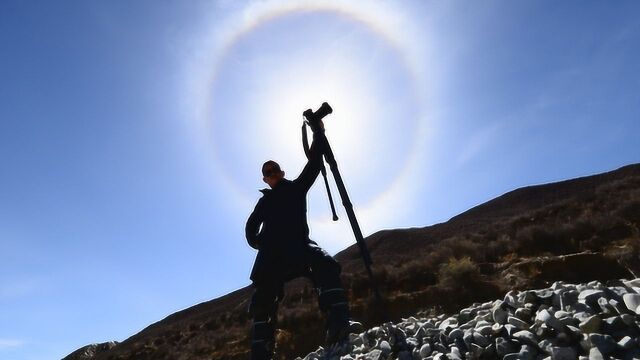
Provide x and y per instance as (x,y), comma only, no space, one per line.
(314,117)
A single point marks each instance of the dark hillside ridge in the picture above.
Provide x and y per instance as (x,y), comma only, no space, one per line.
(533,196)
(576,230)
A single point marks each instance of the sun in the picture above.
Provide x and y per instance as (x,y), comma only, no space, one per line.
(267,75)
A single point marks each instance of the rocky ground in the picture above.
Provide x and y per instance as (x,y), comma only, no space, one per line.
(564,321)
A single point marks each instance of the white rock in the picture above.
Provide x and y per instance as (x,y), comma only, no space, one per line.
(595,354)
(485,330)
(627,342)
(374,354)
(563,353)
(632,283)
(517,323)
(526,337)
(425,350)
(561,314)
(449,322)
(632,301)
(480,339)
(591,324)
(385,347)
(590,294)
(511,298)
(455,353)
(527,352)
(545,317)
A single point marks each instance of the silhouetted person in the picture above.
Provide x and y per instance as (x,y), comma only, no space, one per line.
(285,252)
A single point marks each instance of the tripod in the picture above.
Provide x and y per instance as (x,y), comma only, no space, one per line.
(346,202)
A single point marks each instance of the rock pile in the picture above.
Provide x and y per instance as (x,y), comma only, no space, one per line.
(564,321)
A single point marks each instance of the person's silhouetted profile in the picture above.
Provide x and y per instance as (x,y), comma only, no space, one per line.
(278,229)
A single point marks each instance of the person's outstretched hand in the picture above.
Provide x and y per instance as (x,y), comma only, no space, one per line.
(317,126)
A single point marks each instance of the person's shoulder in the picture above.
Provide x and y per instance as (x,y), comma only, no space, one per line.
(266,193)
(291,184)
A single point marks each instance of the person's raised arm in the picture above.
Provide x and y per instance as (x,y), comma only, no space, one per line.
(311,170)
(253,225)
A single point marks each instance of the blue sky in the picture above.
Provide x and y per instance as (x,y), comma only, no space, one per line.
(131,135)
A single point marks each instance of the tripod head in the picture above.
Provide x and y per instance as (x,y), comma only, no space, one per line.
(313,118)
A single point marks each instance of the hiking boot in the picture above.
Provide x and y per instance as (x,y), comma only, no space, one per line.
(338,344)
(262,340)
(261,350)
(353,327)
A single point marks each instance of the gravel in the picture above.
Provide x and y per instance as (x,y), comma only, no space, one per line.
(563,321)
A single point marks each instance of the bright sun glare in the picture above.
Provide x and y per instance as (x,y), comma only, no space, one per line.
(269,75)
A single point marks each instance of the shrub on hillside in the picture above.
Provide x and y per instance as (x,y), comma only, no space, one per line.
(414,275)
(553,238)
(438,255)
(459,273)
(630,212)
(606,230)
(496,249)
(465,247)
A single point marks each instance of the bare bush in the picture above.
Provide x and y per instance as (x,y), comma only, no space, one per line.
(458,273)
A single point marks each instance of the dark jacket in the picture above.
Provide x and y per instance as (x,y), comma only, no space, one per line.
(283,240)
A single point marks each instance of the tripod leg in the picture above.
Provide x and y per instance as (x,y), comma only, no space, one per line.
(323,169)
(346,202)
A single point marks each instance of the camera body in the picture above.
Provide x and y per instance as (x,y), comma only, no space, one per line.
(314,117)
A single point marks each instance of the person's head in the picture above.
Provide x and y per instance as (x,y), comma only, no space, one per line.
(271,173)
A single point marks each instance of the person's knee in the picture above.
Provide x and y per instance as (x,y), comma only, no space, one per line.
(327,275)
(320,258)
(326,267)
(335,266)
(262,305)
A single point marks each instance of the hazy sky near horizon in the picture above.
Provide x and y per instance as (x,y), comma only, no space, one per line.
(132,134)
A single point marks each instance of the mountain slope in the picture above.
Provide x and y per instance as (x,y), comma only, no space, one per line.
(576,230)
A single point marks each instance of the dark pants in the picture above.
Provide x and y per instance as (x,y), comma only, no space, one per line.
(324,272)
